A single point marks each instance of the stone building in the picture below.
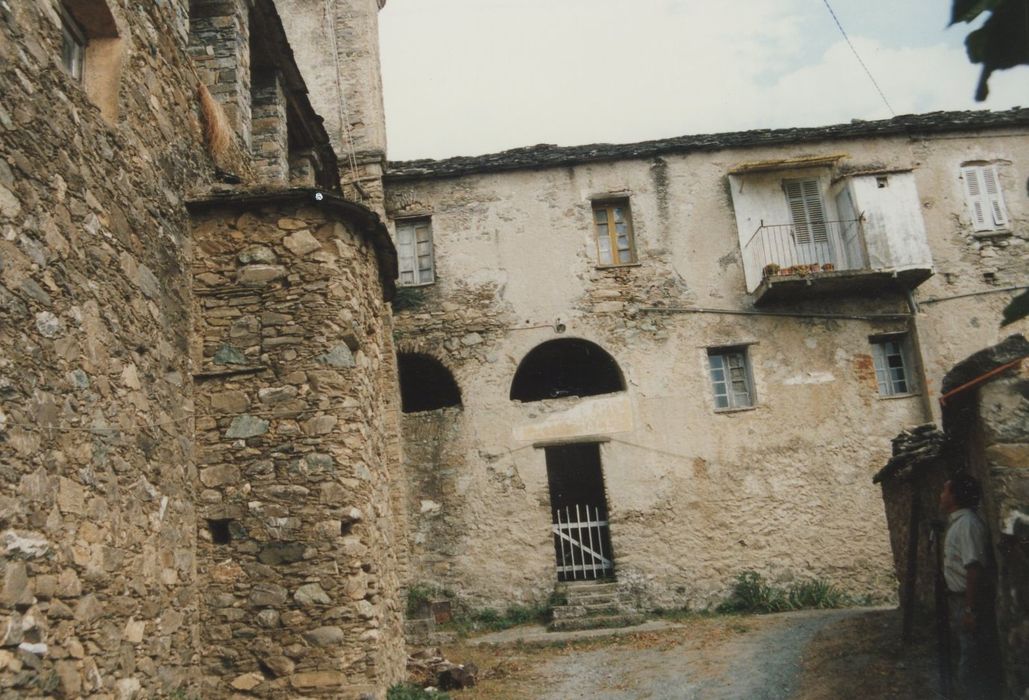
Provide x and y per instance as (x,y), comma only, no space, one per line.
(707,341)
(198,431)
(698,349)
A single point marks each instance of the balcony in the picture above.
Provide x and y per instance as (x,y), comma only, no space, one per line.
(821,258)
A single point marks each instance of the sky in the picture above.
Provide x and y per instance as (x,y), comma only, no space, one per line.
(466,77)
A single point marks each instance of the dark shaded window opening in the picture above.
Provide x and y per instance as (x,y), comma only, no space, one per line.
(425,384)
(566,367)
(220,531)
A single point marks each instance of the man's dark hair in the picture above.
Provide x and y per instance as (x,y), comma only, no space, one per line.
(965,490)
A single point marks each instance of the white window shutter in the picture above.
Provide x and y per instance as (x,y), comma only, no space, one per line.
(795,200)
(815,210)
(804,198)
(975,192)
(414,252)
(995,200)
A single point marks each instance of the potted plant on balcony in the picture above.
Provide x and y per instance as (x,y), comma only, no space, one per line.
(828,267)
(770,270)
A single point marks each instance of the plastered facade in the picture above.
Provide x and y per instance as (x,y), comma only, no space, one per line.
(695,495)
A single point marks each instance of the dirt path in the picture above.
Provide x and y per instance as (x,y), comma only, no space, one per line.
(804,655)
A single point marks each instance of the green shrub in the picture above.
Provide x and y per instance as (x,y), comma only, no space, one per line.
(750,594)
(418,597)
(557,598)
(514,615)
(408,298)
(407,691)
(817,594)
(490,620)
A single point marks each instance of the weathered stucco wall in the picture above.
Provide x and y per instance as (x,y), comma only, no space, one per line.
(695,496)
(298,563)
(96,503)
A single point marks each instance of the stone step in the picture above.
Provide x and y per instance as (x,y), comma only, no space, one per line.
(573,587)
(596,622)
(594,599)
(565,612)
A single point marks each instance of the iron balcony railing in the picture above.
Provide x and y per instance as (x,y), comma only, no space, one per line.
(818,246)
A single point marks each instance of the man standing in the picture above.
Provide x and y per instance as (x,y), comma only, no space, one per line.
(965,564)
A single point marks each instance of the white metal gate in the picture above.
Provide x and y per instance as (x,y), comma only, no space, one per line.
(579,538)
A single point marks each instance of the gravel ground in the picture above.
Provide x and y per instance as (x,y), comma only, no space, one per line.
(808,655)
(763,664)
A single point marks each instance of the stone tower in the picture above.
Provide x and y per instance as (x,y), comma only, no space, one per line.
(336,45)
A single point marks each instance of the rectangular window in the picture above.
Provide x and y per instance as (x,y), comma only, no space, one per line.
(613,223)
(985,200)
(73,46)
(414,252)
(804,198)
(892,369)
(730,378)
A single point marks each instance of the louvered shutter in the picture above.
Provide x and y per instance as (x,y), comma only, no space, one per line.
(994,199)
(798,213)
(804,199)
(815,211)
(974,195)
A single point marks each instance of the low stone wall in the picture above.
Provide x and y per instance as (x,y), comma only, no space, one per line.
(297,551)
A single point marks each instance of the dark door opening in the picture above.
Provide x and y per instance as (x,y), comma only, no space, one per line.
(578,510)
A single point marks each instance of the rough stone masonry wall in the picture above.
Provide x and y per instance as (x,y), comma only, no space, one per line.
(294,457)
(220,47)
(97,524)
(999,456)
(270,145)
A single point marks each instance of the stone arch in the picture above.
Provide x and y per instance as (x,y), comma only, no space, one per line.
(425,383)
(566,367)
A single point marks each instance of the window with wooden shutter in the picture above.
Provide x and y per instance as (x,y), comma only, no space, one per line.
(612,222)
(985,200)
(807,212)
(892,368)
(414,252)
(730,378)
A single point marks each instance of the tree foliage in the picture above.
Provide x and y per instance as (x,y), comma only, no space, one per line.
(1003,40)
(1017,309)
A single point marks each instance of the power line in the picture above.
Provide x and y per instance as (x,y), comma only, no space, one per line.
(858,57)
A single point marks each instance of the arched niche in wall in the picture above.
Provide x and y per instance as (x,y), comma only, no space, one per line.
(425,384)
(566,367)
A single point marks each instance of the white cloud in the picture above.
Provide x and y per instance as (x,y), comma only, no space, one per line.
(465,78)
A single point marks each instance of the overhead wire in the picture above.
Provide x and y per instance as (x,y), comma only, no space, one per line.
(853,48)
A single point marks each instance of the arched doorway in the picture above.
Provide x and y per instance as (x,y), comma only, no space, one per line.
(566,367)
(425,384)
(569,367)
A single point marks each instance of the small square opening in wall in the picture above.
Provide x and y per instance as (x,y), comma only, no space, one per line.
(221,530)
(882,182)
